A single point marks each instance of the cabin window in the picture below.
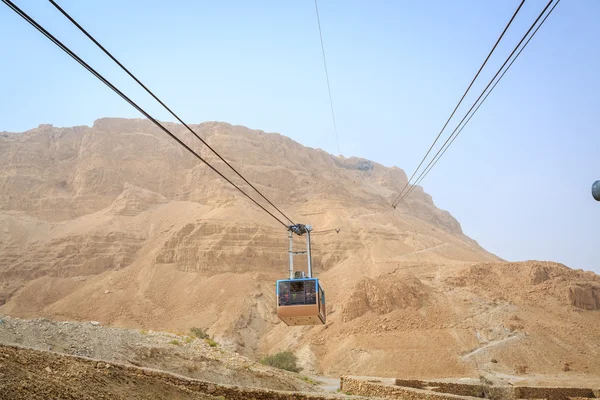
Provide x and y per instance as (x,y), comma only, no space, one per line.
(284,293)
(298,292)
(322,311)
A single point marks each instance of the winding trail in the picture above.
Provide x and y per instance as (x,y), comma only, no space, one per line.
(327,383)
(491,344)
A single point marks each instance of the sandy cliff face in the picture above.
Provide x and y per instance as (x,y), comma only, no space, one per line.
(116,223)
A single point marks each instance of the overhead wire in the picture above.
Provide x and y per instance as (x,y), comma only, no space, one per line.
(459,102)
(327,77)
(63,47)
(457,131)
(326,231)
(490,91)
(86,33)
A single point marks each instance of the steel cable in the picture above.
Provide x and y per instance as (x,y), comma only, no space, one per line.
(85,32)
(455,133)
(127,99)
(327,77)
(394,203)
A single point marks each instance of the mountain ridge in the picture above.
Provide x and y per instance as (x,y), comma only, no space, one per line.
(116,223)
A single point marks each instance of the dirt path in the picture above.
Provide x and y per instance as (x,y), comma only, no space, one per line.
(491,344)
(327,383)
(430,248)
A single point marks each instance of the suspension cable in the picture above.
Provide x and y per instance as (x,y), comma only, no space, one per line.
(326,231)
(327,77)
(457,131)
(127,99)
(85,32)
(394,203)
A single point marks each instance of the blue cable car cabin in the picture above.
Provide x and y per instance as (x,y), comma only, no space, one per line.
(300,299)
(301,302)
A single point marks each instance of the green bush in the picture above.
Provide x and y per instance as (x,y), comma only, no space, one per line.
(282,360)
(211,342)
(308,380)
(199,333)
(175,342)
(485,381)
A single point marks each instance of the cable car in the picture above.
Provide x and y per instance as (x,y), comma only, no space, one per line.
(301,301)
(301,298)
(596,190)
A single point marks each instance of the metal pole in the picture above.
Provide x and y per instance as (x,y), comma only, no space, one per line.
(291,251)
(308,253)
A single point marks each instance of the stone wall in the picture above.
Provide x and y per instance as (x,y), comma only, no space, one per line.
(363,387)
(446,387)
(416,389)
(553,393)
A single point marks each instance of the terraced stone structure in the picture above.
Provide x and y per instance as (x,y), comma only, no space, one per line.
(429,390)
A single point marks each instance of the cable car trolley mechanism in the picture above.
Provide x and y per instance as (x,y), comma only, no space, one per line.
(301,298)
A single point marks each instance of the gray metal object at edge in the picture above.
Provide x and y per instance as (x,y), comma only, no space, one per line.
(596,190)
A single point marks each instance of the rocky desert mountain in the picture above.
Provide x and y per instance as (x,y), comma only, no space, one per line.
(117,223)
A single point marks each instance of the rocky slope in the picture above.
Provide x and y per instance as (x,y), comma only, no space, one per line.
(180,353)
(34,374)
(116,223)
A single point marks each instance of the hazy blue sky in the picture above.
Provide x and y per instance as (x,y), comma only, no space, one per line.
(519,176)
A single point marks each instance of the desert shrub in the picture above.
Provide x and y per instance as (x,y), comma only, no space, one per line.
(192,368)
(282,360)
(485,381)
(211,342)
(199,333)
(310,381)
(174,342)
